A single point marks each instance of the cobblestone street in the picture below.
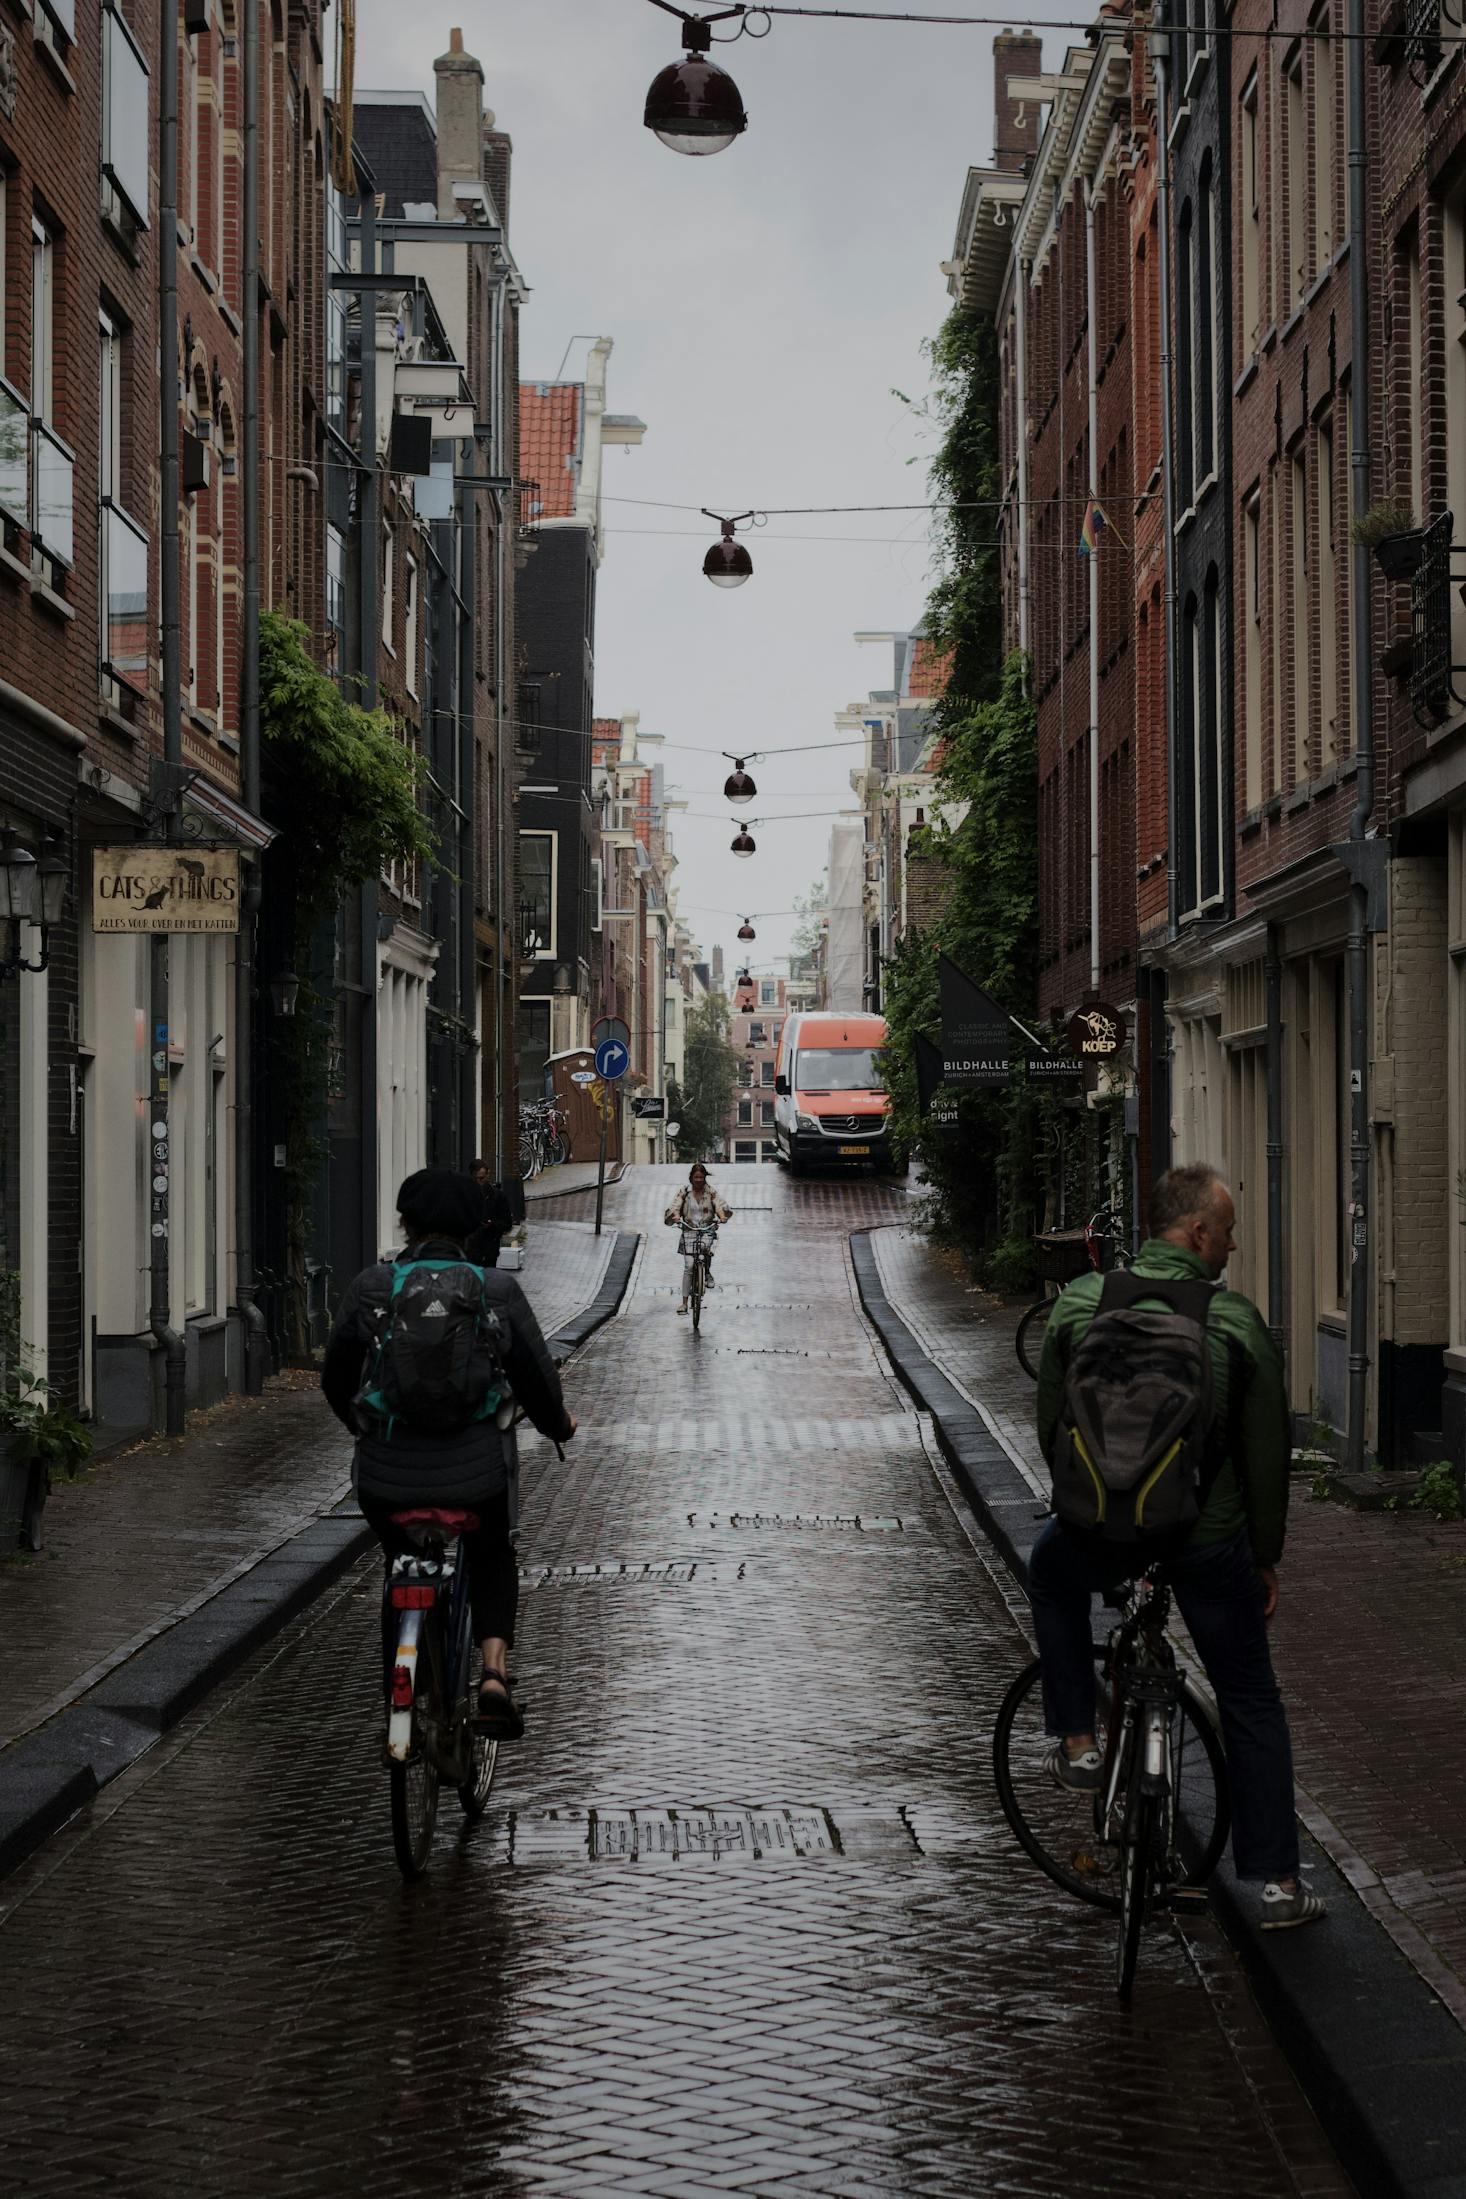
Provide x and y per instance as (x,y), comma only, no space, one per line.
(743,1914)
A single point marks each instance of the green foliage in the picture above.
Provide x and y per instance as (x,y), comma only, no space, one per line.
(55,1435)
(711,1071)
(354,787)
(1438,1491)
(1009,1268)
(353,806)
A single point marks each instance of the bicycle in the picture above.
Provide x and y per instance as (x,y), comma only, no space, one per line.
(1158,1821)
(697,1245)
(544,1137)
(433,1689)
(1066,1254)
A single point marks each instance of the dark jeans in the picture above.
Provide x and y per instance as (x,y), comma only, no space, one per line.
(487,1552)
(1220,1597)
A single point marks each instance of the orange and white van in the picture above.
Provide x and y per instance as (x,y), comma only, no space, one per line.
(829,1102)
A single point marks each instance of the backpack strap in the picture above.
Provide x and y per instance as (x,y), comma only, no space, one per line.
(1186,1295)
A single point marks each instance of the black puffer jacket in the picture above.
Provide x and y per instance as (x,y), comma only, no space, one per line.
(477,1462)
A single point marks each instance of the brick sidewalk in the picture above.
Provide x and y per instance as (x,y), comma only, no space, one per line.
(147,1534)
(1370,1645)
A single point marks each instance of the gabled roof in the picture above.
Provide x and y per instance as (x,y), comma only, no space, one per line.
(550,428)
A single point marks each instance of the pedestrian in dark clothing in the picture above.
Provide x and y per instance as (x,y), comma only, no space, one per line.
(1224,1576)
(483,1244)
(473,1468)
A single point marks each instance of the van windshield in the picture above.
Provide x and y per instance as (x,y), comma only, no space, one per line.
(838,1069)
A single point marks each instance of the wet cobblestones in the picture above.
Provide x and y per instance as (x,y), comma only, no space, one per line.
(742,1916)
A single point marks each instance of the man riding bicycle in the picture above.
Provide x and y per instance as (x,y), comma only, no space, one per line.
(474,1467)
(696,1207)
(1224,1575)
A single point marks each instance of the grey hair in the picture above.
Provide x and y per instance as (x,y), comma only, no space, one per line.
(1181,1194)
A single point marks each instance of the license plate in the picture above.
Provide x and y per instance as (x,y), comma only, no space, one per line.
(855,1149)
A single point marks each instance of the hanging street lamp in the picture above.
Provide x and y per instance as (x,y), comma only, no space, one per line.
(727,563)
(738,786)
(743,842)
(694,106)
(746,930)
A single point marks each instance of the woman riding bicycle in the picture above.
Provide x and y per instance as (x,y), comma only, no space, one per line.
(696,1206)
(474,1467)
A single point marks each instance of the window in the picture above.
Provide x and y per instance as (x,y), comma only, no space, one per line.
(766,1074)
(766,1111)
(1454,299)
(336,595)
(1251,227)
(1323,144)
(1277,623)
(537,894)
(1299,615)
(51,518)
(1328,602)
(598,892)
(1295,156)
(1185,448)
(745,1149)
(43,323)
(124,546)
(389,543)
(1415,402)
(534,1046)
(745,1111)
(1252,652)
(1204,373)
(838,1069)
(409,638)
(755,1034)
(124,123)
(767,994)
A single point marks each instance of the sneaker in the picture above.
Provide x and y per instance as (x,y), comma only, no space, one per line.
(1282,1909)
(682,1308)
(1081,1774)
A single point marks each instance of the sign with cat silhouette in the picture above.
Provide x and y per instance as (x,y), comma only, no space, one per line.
(142,888)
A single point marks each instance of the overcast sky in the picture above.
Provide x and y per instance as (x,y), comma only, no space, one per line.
(763,303)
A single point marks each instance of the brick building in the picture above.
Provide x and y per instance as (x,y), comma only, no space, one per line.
(636,974)
(760,1003)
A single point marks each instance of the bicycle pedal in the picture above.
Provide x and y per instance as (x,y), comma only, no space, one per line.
(1188,1901)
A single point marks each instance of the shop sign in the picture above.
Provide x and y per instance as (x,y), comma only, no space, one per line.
(146,888)
(977,1043)
(1096,1032)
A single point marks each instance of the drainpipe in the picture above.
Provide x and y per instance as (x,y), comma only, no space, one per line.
(249,728)
(469,1110)
(1358,952)
(1091,309)
(1025,277)
(503,905)
(369,538)
(1168,466)
(1276,1295)
(175,1362)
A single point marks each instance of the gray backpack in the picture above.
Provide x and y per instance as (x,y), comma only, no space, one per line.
(1135,1448)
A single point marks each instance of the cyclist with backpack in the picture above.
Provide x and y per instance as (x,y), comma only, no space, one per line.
(426,1360)
(1162,1415)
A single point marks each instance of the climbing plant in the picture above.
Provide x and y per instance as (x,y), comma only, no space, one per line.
(351,805)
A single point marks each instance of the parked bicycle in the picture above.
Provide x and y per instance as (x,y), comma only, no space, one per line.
(1063,1255)
(434,1685)
(544,1137)
(697,1245)
(1148,1838)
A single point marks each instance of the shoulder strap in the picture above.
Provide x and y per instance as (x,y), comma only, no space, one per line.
(1187,1295)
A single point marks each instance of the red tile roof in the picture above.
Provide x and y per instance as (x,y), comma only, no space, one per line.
(930,670)
(549,445)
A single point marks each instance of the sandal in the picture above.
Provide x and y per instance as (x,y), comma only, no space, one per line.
(497,1713)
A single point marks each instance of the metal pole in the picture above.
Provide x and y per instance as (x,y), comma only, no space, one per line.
(1168,467)
(1358,950)
(249,726)
(175,1365)
(369,533)
(467,791)
(603,1103)
(1091,307)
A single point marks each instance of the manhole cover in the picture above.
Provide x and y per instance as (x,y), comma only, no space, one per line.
(863,1522)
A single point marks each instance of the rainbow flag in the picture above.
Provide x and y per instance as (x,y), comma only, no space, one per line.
(1089,533)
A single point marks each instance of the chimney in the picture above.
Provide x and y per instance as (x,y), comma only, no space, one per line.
(1015,135)
(460,102)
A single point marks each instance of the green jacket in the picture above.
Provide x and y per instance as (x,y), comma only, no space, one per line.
(1251,1490)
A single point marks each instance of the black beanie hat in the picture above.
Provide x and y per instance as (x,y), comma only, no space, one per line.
(439,1202)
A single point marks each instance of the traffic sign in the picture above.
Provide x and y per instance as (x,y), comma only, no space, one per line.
(612,1027)
(613,1058)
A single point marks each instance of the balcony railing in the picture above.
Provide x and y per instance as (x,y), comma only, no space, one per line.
(1432,673)
(124,596)
(51,495)
(15,449)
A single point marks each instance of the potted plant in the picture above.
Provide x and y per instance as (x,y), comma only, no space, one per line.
(37,1437)
(1390,529)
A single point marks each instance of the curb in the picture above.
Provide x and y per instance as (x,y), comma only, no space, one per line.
(1382,2062)
(614,1173)
(48,1775)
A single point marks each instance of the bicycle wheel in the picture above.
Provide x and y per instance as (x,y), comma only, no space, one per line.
(415,1783)
(1029,1340)
(528,1162)
(473,1792)
(697,1294)
(1058,1829)
(1142,1870)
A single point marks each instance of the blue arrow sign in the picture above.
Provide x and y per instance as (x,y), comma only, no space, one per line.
(612,1060)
